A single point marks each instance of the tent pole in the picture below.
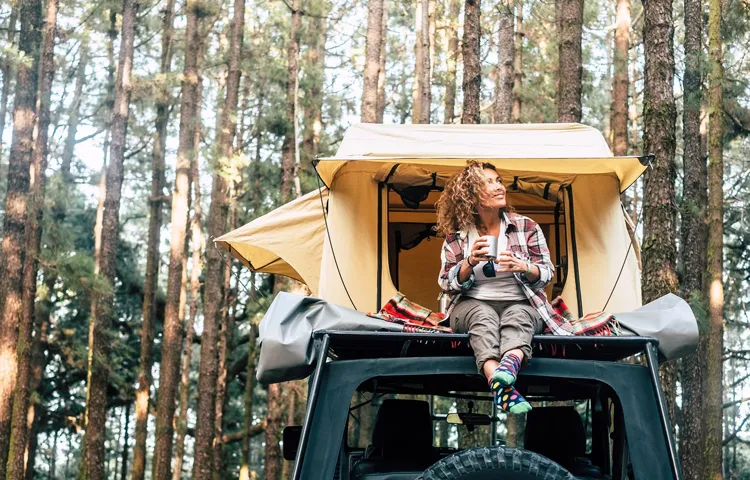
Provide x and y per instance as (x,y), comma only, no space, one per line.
(379,289)
(575,250)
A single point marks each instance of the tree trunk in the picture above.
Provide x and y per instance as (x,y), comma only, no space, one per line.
(372,60)
(225,346)
(74,114)
(181,424)
(6,68)
(422,97)
(713,387)
(472,81)
(313,122)
(173,327)
(12,250)
(248,419)
(502,109)
(694,244)
(102,315)
(289,146)
(518,62)
(570,66)
(620,80)
(33,234)
(454,9)
(125,448)
(150,286)
(217,222)
(380,109)
(659,210)
(272,458)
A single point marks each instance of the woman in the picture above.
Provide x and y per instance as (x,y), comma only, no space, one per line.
(500,302)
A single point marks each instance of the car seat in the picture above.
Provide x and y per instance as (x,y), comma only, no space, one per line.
(401,442)
(558,434)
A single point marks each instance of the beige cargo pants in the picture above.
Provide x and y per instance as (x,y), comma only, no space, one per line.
(496,327)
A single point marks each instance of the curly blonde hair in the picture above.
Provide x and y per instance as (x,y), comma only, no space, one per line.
(457,207)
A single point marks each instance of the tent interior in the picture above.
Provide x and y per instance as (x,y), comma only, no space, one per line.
(413,246)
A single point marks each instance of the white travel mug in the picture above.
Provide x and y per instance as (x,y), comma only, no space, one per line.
(492,247)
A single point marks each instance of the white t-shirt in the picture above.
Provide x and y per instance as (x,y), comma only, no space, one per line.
(503,286)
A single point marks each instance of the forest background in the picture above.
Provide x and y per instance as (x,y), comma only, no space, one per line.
(133,133)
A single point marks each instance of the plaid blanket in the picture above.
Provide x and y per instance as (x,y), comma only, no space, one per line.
(414,317)
(418,319)
(600,324)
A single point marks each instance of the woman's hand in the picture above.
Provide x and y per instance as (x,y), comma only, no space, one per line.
(478,251)
(509,263)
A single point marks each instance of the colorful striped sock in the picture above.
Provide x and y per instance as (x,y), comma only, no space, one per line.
(505,373)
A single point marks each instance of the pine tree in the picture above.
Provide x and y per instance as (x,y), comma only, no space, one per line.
(422,72)
(570,66)
(6,69)
(102,314)
(694,244)
(502,109)
(713,386)
(620,82)
(659,210)
(472,80)
(187,148)
(154,239)
(372,60)
(33,234)
(451,32)
(12,250)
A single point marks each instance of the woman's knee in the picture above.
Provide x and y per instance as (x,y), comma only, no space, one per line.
(471,313)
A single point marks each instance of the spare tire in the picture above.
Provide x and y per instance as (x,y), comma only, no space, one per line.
(496,463)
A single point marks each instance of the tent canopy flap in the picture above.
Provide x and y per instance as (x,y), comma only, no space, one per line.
(287,241)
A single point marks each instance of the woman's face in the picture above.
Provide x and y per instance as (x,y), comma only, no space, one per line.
(493,195)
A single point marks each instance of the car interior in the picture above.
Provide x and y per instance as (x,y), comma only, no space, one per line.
(399,426)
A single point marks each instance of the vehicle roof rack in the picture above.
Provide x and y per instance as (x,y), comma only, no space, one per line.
(350,345)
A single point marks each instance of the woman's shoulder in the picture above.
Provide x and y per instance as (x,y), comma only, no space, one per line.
(454,237)
(520,220)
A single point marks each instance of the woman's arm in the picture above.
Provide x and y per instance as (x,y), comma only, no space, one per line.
(542,268)
(456,275)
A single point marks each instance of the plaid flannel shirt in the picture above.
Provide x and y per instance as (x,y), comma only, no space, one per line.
(526,242)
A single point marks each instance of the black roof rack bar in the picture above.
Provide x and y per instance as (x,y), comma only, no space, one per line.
(453,337)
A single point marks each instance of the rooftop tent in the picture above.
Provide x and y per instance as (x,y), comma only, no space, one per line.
(384,182)
(287,241)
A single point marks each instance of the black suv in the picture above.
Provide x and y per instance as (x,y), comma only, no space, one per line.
(594,416)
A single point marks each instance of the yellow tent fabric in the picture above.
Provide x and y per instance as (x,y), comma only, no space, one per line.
(352,266)
(287,241)
(554,148)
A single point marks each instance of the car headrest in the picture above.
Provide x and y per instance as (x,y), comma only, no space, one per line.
(555,432)
(402,425)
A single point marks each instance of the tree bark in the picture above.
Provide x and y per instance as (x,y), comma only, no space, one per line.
(12,249)
(694,244)
(659,210)
(518,62)
(620,81)
(289,146)
(372,61)
(454,9)
(197,245)
(102,315)
(125,448)
(422,97)
(380,109)
(248,418)
(150,286)
(502,109)
(713,387)
(74,111)
(203,467)
(6,69)
(570,66)
(315,60)
(173,327)
(472,80)
(33,236)
(272,458)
